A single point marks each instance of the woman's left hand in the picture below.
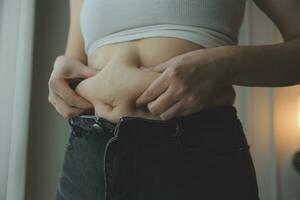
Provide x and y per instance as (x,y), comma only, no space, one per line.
(187,83)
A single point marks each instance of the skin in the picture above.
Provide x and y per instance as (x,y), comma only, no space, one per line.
(175,93)
(65,100)
(190,81)
(69,67)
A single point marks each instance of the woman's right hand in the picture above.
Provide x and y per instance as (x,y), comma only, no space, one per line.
(66,74)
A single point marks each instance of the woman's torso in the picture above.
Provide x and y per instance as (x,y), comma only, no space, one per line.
(120,81)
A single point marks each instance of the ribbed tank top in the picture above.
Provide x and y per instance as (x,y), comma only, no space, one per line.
(209,23)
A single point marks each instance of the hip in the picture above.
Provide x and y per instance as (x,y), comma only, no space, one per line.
(202,155)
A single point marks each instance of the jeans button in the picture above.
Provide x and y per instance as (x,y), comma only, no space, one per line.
(97,127)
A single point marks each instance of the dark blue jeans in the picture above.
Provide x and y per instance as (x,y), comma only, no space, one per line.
(204,155)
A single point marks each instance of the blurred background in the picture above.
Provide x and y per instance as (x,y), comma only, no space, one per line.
(33,135)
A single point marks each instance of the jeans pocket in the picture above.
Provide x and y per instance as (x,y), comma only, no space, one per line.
(223,140)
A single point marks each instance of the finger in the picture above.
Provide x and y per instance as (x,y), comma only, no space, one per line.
(64,109)
(157,87)
(163,102)
(157,68)
(62,89)
(54,98)
(85,72)
(173,111)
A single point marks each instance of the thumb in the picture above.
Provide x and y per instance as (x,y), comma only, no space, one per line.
(86,72)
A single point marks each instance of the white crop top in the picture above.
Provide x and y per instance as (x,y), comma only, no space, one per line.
(209,23)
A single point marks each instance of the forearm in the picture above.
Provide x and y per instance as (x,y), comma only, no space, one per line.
(75,42)
(265,65)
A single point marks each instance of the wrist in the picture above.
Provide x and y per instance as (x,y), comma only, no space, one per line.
(224,59)
(228,58)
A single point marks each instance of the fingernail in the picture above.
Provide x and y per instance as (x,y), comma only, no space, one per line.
(138,103)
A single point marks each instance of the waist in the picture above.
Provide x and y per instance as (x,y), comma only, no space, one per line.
(120,81)
(214,127)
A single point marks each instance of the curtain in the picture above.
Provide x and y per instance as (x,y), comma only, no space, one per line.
(17,22)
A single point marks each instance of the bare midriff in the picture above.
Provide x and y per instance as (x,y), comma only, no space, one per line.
(120,81)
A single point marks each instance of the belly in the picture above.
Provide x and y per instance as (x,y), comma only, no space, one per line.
(120,81)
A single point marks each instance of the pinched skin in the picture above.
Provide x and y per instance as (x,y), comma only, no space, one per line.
(120,81)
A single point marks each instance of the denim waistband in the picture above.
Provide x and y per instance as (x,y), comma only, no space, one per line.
(88,122)
(213,117)
(210,118)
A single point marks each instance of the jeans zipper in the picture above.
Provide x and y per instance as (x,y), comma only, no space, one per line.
(111,140)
